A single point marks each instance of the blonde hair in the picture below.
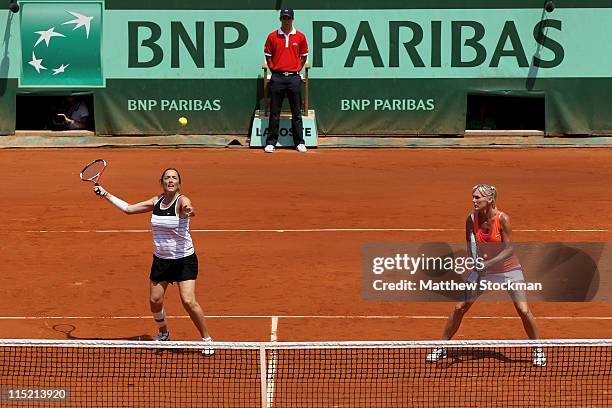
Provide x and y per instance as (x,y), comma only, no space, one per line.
(486,190)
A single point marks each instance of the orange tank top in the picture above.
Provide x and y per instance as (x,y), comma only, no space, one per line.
(489,245)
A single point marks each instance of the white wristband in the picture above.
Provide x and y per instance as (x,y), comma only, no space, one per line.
(120,204)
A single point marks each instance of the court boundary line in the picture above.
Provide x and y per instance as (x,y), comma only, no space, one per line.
(141,231)
(273,328)
(372,317)
(271,363)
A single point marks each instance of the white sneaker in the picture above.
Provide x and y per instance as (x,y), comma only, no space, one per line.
(438,353)
(301,148)
(209,351)
(539,357)
(162,336)
(269,149)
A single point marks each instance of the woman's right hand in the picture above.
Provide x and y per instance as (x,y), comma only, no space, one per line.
(99,190)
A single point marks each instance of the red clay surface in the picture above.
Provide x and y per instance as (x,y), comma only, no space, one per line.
(77,273)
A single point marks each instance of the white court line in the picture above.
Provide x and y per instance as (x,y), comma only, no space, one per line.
(382,317)
(273,328)
(140,231)
(271,369)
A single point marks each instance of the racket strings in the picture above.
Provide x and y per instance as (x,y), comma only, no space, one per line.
(93,170)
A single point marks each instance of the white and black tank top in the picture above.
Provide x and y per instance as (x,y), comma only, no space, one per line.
(171,238)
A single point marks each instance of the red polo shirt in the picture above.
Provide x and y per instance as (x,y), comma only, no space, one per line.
(286,51)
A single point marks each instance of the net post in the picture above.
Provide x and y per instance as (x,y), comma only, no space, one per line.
(263,373)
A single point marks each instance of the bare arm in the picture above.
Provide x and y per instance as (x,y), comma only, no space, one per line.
(73,122)
(186,208)
(138,208)
(268,51)
(141,207)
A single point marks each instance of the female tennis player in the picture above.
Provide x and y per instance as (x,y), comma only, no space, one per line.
(493,235)
(174,258)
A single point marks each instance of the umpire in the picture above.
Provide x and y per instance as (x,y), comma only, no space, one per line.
(286,50)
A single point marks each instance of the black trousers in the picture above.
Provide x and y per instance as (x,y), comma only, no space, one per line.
(281,86)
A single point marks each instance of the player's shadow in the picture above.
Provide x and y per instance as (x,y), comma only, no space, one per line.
(68,331)
(439,258)
(568,272)
(532,75)
(466,355)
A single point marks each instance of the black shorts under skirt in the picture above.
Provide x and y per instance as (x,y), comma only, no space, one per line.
(174,270)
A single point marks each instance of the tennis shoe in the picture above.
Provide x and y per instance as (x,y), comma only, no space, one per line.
(301,148)
(539,357)
(269,149)
(439,353)
(208,351)
(162,336)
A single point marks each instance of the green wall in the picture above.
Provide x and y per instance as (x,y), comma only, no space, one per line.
(383,67)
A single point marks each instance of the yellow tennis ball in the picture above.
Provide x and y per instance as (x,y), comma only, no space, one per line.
(182,121)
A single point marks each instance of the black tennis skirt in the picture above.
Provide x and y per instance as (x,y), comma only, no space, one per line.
(174,270)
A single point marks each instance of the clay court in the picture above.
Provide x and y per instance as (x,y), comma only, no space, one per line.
(279,239)
(383,116)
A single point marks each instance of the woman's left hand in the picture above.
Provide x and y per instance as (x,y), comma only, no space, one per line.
(188,210)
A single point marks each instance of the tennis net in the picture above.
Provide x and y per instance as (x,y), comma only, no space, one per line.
(345,374)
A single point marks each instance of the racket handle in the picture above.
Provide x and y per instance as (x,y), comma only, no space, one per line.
(98,191)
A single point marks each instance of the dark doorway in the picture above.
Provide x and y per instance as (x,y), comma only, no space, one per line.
(43,112)
(486,112)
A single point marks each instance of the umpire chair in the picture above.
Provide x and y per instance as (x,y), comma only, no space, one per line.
(260,119)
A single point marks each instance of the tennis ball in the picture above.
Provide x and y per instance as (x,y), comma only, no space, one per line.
(182,121)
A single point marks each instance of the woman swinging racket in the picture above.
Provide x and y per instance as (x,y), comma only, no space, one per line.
(174,258)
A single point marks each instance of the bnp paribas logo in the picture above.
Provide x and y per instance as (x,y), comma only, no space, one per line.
(61,44)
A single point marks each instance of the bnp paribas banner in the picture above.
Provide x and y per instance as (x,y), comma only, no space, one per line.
(365,44)
(61,44)
(376,69)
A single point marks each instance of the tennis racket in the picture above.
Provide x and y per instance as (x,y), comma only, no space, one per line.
(93,171)
(473,275)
